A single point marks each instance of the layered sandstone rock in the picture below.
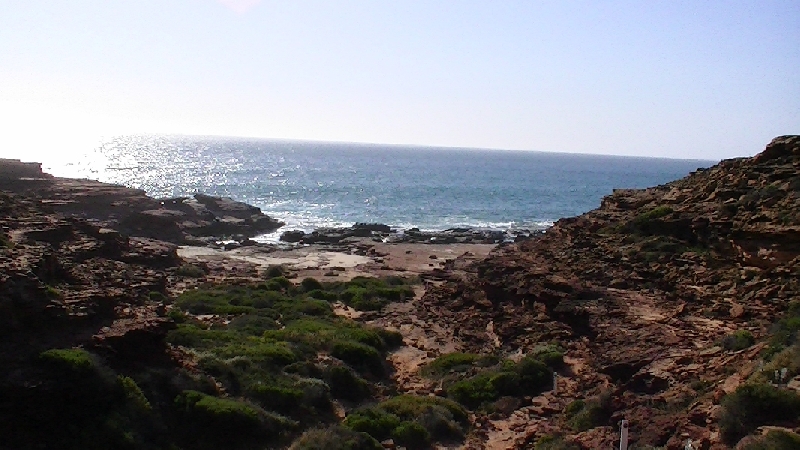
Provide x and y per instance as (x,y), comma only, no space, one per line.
(641,290)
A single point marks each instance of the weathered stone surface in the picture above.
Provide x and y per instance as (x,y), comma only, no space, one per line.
(640,290)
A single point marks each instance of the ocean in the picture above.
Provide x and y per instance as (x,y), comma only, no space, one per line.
(315,184)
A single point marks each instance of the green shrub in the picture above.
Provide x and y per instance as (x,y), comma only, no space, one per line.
(412,435)
(189,335)
(372,294)
(361,357)
(275,271)
(753,405)
(548,442)
(335,438)
(374,421)
(275,397)
(441,418)
(323,295)
(271,354)
(645,223)
(551,355)
(310,284)
(410,420)
(134,394)
(653,214)
(774,440)
(785,331)
(76,361)
(738,340)
(233,422)
(527,377)
(346,384)
(391,339)
(409,407)
(191,271)
(456,362)
(476,390)
(585,415)
(252,324)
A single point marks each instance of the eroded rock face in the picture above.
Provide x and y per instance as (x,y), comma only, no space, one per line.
(640,290)
(132,212)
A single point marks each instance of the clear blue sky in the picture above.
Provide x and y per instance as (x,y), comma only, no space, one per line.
(694,79)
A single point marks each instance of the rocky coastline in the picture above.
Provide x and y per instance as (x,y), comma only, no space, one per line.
(132,322)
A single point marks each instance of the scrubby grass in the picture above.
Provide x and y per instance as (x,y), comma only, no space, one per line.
(738,340)
(73,360)
(784,332)
(191,271)
(335,438)
(584,415)
(653,214)
(281,349)
(530,376)
(554,443)
(414,422)
(457,362)
(215,421)
(372,294)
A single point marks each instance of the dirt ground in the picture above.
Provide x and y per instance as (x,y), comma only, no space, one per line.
(342,262)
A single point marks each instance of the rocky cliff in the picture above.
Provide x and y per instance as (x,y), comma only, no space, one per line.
(642,293)
(180,220)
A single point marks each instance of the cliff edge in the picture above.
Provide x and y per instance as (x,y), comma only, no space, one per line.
(647,296)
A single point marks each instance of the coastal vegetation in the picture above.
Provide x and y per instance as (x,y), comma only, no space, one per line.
(477,380)
(269,360)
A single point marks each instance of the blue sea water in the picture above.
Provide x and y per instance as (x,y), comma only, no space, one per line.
(313,184)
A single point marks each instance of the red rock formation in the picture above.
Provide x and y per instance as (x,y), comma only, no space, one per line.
(640,290)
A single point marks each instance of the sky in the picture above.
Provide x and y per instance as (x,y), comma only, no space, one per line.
(684,79)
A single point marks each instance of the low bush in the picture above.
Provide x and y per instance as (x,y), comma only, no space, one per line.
(275,397)
(213,421)
(191,271)
(774,440)
(753,405)
(646,223)
(529,376)
(738,340)
(412,421)
(554,443)
(252,324)
(372,294)
(133,393)
(457,362)
(335,438)
(653,214)
(361,357)
(551,355)
(76,361)
(346,384)
(374,421)
(785,331)
(411,435)
(585,415)
(311,284)
(275,271)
